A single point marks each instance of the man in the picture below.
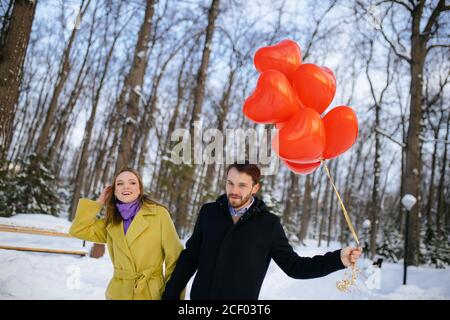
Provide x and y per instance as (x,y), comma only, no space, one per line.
(234,240)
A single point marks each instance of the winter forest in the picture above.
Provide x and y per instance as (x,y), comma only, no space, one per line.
(87,87)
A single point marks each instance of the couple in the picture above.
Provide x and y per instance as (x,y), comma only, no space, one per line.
(233,241)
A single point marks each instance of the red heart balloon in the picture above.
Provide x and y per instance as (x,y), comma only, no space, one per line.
(302,168)
(280,125)
(314,86)
(285,56)
(341,130)
(273,99)
(302,138)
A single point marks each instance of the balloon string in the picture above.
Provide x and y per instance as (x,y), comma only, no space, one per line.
(347,218)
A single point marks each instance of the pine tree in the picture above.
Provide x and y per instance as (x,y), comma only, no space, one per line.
(6,193)
(392,246)
(437,249)
(29,188)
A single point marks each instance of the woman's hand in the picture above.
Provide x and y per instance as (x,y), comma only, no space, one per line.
(104,195)
(350,255)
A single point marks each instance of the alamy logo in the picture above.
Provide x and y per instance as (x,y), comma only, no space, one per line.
(212,146)
(373,277)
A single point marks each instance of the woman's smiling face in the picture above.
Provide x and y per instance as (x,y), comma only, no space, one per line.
(126,187)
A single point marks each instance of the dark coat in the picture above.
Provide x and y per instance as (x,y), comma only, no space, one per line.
(231,260)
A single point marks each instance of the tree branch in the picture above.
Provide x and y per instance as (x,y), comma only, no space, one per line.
(437,46)
(394,48)
(442,84)
(384,133)
(423,139)
(398,2)
(434,16)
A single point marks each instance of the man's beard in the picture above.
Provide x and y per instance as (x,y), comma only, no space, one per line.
(235,202)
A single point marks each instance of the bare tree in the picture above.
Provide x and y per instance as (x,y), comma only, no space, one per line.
(443,213)
(90,124)
(424,28)
(63,74)
(378,101)
(130,96)
(435,116)
(199,95)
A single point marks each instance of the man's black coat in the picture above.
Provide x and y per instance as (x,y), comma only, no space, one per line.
(231,260)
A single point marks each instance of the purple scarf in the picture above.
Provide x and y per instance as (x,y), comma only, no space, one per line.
(128,211)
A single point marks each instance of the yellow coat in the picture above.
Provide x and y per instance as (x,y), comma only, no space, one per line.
(138,256)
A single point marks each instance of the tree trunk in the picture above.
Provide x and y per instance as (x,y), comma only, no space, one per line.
(333,199)
(348,194)
(317,206)
(160,187)
(291,199)
(306,214)
(100,155)
(78,183)
(199,95)
(132,89)
(432,187)
(6,21)
(375,207)
(442,215)
(413,151)
(12,56)
(73,98)
(148,119)
(35,124)
(323,209)
(224,108)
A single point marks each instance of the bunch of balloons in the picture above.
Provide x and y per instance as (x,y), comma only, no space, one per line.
(293,96)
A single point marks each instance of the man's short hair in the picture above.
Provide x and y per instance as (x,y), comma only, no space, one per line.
(248,168)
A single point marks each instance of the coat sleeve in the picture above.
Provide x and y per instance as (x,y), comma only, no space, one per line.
(187,264)
(171,244)
(301,267)
(86,226)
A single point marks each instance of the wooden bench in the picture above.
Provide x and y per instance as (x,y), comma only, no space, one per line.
(32,230)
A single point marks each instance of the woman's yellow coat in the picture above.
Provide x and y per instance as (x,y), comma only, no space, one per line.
(138,256)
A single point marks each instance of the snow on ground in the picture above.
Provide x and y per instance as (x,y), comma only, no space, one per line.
(28,275)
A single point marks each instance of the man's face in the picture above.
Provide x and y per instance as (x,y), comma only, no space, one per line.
(239,188)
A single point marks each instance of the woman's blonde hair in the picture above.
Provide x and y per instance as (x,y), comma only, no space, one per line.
(112,213)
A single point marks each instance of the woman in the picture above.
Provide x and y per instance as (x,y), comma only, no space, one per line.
(139,233)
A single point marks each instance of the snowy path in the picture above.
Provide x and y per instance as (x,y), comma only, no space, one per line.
(26,275)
